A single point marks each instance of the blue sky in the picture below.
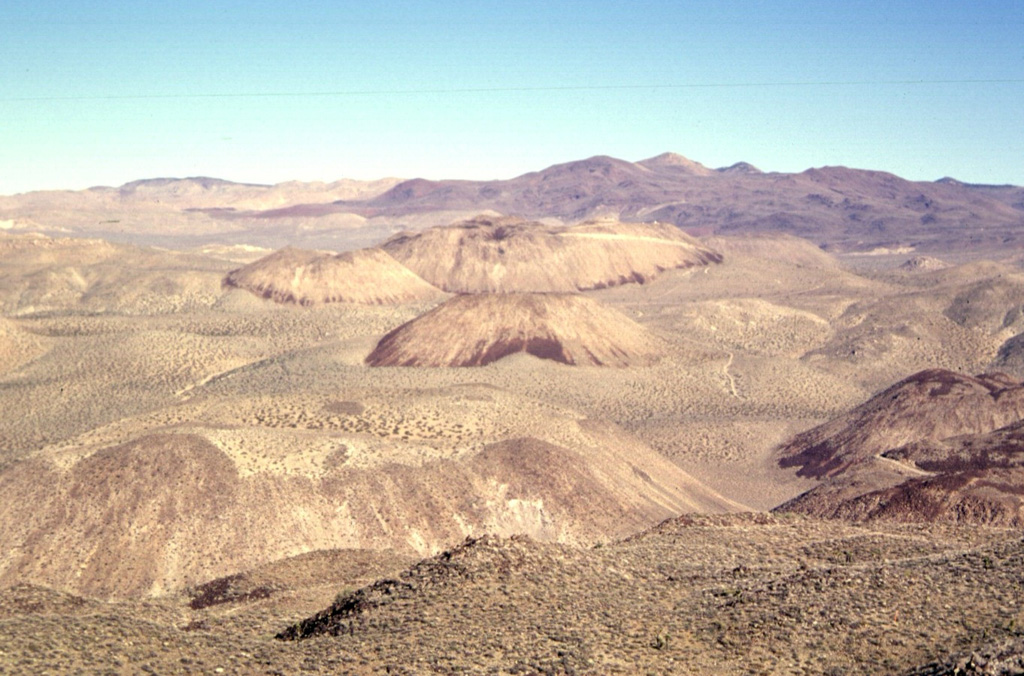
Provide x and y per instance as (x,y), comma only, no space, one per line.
(105,92)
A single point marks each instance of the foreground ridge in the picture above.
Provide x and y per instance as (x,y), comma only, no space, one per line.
(741,593)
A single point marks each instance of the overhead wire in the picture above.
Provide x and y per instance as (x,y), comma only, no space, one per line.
(501,90)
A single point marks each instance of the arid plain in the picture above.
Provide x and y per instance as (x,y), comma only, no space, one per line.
(206,442)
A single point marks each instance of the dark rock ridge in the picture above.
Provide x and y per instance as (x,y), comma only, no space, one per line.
(929,405)
(937,446)
(732,594)
(485,555)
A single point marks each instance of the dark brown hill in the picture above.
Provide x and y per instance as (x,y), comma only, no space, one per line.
(488,255)
(975,478)
(475,330)
(937,446)
(929,405)
(368,276)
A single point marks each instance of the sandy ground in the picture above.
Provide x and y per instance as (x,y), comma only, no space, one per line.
(764,345)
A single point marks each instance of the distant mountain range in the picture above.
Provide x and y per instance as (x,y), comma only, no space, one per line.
(844,210)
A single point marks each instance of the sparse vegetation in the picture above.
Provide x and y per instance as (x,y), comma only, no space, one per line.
(169,444)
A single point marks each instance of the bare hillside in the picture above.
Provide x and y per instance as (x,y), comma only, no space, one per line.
(489,255)
(40,274)
(475,330)
(177,506)
(367,276)
(18,346)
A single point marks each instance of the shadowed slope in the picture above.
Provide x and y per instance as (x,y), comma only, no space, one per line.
(367,276)
(1010,357)
(475,330)
(487,255)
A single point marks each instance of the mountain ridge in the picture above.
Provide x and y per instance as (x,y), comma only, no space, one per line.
(845,209)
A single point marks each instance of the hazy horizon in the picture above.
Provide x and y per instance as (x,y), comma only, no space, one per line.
(266,92)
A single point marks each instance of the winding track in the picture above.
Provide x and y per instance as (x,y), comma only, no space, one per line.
(728,376)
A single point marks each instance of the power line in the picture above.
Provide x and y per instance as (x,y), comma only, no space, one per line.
(501,90)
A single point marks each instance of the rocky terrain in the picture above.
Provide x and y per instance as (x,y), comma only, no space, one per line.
(753,602)
(475,330)
(744,594)
(930,405)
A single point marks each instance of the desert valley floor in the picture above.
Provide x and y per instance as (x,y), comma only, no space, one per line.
(509,446)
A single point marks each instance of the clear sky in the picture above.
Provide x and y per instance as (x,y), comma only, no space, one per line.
(104,92)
